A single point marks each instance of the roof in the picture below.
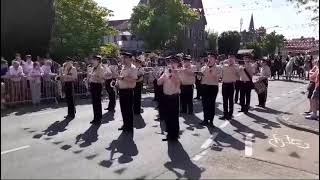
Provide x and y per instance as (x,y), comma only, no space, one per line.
(245,51)
(120,24)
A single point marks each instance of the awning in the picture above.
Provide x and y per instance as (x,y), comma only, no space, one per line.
(245,51)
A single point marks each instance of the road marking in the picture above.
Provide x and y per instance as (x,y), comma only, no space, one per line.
(248,151)
(42,113)
(15,149)
(239,114)
(199,156)
(208,142)
(276,98)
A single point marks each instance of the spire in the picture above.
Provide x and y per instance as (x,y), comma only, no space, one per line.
(251,26)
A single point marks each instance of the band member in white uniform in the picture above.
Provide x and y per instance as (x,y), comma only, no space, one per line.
(246,84)
(171,91)
(264,74)
(96,78)
(187,78)
(211,73)
(111,74)
(230,73)
(69,76)
(138,89)
(127,82)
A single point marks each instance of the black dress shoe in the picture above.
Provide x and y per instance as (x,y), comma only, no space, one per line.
(95,121)
(223,117)
(241,110)
(204,123)
(121,129)
(165,139)
(69,117)
(211,125)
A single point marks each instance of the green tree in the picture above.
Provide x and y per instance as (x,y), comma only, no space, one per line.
(109,50)
(159,23)
(229,42)
(212,41)
(257,49)
(271,41)
(80,27)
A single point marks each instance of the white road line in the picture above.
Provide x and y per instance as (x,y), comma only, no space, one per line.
(276,98)
(248,151)
(208,142)
(239,114)
(42,113)
(199,156)
(224,124)
(15,149)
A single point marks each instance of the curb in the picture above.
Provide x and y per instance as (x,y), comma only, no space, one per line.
(287,122)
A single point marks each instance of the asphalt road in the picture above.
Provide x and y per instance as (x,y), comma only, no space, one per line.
(39,143)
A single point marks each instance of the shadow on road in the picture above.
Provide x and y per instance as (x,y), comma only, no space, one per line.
(270,111)
(138,122)
(264,122)
(123,145)
(148,102)
(20,110)
(56,127)
(181,160)
(88,137)
(192,121)
(244,130)
(107,117)
(224,140)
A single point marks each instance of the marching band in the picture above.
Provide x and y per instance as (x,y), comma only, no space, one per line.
(173,88)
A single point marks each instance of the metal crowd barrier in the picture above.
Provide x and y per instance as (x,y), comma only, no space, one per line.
(19,92)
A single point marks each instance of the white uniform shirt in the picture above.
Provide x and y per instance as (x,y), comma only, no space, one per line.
(265,72)
(211,75)
(71,75)
(187,76)
(140,73)
(35,75)
(97,74)
(230,73)
(130,72)
(242,73)
(27,67)
(16,73)
(170,87)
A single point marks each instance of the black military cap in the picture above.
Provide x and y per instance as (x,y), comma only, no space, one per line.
(98,57)
(187,58)
(127,54)
(69,58)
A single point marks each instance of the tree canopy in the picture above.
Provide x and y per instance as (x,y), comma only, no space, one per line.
(271,41)
(257,53)
(109,50)
(159,23)
(229,42)
(212,41)
(80,26)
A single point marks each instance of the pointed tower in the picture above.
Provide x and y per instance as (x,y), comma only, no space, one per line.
(251,26)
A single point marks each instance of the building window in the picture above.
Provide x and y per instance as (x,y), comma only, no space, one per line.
(124,38)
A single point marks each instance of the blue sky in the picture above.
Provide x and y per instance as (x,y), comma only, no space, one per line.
(223,15)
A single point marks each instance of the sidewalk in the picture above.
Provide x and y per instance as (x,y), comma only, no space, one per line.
(296,119)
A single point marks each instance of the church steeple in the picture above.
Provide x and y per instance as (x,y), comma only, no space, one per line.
(251,26)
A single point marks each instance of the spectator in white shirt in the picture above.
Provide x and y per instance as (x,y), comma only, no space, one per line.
(15,74)
(35,83)
(48,86)
(28,65)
